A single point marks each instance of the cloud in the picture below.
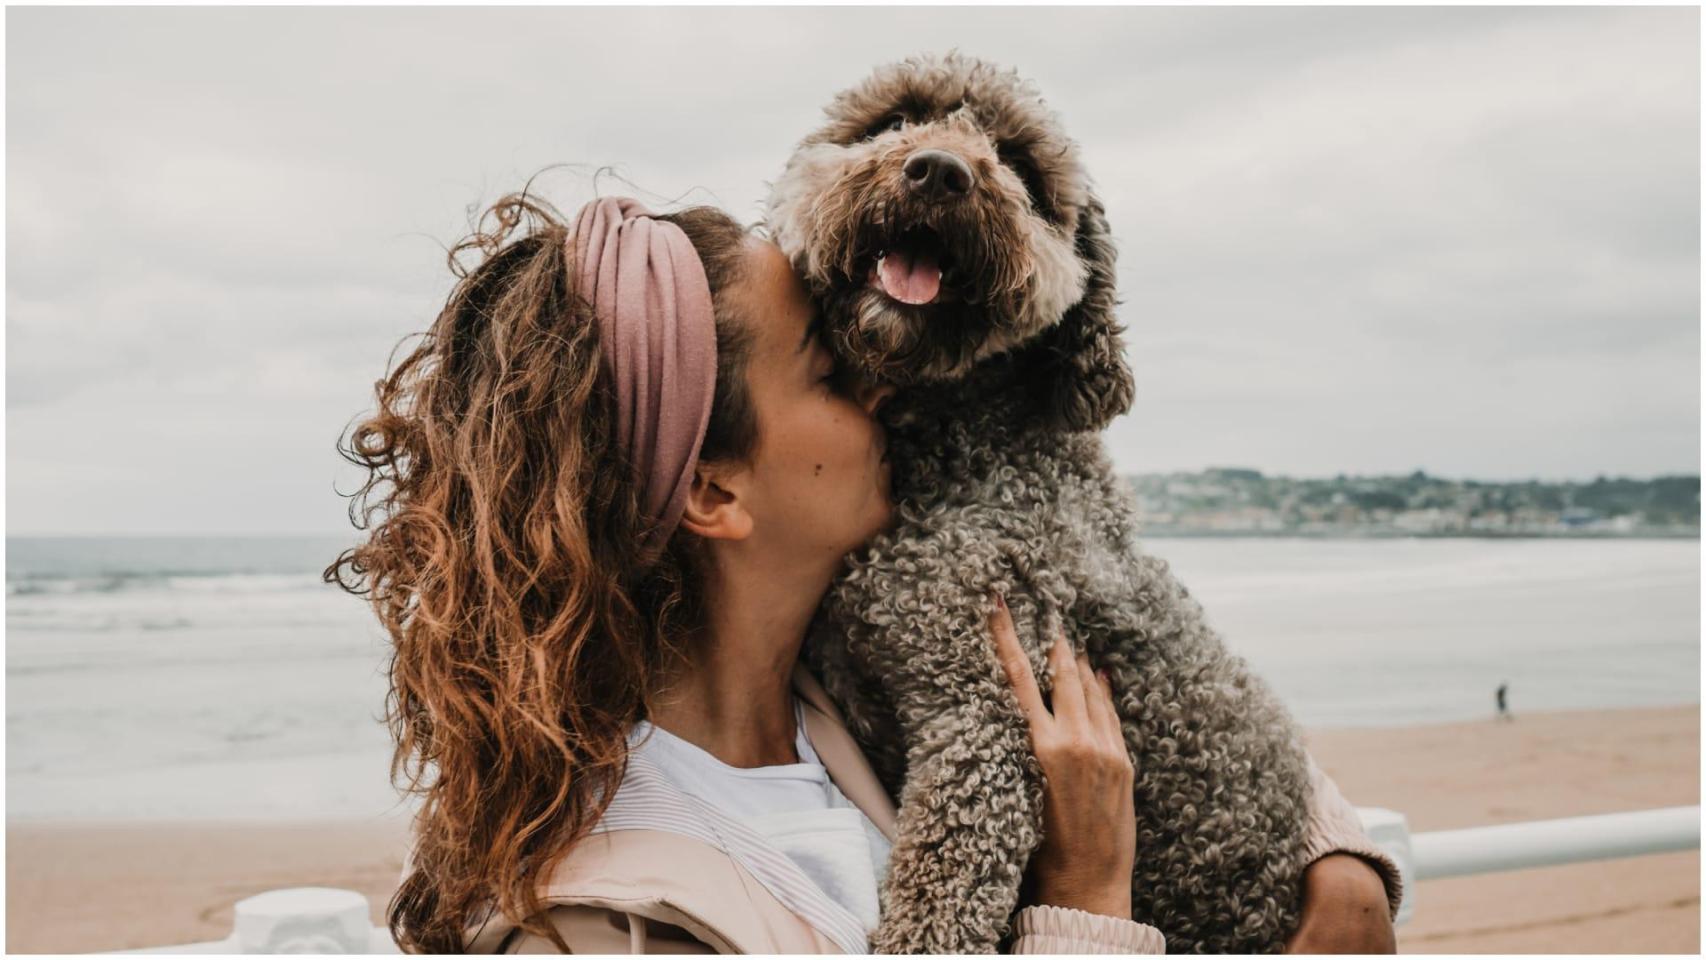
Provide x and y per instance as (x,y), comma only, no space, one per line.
(1352,239)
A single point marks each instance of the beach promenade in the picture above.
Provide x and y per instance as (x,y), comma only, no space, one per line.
(74,887)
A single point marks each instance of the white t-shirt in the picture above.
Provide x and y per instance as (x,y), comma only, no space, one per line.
(795,806)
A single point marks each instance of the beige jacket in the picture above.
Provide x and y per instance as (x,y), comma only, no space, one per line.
(648,886)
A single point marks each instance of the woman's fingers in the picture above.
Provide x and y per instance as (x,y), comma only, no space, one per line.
(1017,666)
(1103,719)
(1097,709)
(1082,702)
(1067,690)
(1114,728)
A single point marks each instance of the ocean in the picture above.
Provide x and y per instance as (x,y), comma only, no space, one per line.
(194,678)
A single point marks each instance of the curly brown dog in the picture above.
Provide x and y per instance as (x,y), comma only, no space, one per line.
(944,222)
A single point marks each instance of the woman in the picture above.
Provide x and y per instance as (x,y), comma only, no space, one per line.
(614,480)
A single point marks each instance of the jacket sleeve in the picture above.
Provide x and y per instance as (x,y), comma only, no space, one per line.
(1334,827)
(1050,929)
(593,929)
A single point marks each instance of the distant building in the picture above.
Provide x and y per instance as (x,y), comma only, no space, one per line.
(1241,499)
(1420,521)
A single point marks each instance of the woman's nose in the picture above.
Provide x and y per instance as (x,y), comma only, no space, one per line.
(875,395)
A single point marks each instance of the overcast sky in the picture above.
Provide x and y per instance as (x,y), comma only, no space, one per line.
(1352,240)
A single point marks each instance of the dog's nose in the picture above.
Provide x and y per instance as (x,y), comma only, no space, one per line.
(937,175)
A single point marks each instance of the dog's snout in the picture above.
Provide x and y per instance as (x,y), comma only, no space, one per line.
(937,175)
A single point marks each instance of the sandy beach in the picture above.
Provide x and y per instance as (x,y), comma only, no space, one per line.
(1540,766)
(78,887)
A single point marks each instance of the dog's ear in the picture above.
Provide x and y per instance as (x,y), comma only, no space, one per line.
(1078,374)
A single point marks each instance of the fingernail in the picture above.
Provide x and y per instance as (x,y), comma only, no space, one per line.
(1001,601)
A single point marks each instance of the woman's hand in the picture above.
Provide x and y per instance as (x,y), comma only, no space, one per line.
(1344,909)
(1089,819)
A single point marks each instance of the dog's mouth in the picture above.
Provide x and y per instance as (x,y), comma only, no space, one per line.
(915,268)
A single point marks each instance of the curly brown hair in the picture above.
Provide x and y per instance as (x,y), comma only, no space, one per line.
(527,630)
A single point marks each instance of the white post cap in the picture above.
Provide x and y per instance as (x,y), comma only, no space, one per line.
(303,920)
(1390,831)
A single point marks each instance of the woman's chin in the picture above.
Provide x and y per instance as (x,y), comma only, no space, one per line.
(885,519)
(881,519)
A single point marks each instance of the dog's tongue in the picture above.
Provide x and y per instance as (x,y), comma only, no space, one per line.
(910,279)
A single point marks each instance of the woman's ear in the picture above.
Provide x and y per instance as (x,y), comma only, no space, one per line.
(1080,379)
(716,503)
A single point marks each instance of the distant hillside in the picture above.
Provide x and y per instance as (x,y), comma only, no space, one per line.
(1229,500)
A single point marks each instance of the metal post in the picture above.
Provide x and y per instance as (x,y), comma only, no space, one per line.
(1390,831)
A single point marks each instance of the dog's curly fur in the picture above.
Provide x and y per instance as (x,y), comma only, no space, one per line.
(1002,484)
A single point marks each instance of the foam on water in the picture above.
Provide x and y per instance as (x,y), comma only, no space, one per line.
(143,682)
(1395,632)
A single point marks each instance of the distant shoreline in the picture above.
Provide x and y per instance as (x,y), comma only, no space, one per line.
(1190,532)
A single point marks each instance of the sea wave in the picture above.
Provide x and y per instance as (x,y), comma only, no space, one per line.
(23,583)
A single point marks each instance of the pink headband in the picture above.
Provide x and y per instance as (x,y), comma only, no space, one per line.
(656,331)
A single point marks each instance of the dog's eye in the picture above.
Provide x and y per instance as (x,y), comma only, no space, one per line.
(1035,186)
(893,121)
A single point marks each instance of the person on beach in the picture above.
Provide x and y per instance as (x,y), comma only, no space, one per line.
(1499,697)
(613,481)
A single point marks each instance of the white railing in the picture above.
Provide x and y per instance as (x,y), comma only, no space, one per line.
(1458,853)
(1521,846)
(324,920)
